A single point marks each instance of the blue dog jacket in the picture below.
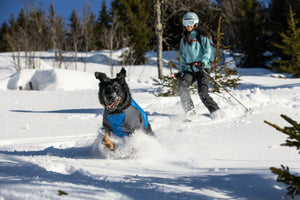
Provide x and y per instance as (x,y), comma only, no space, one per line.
(124,124)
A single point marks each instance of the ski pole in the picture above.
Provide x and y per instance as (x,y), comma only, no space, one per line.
(225,90)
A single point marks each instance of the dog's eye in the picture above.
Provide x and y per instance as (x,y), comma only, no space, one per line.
(116,89)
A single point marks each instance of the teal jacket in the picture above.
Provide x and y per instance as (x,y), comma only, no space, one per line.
(194,52)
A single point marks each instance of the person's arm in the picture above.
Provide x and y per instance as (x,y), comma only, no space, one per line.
(206,51)
(182,57)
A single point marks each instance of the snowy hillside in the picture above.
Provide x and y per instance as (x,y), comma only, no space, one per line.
(48,137)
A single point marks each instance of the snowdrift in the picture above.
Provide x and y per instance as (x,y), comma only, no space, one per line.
(53,79)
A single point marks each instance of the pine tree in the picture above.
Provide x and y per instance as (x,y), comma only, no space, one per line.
(290,47)
(87,31)
(136,21)
(102,24)
(248,26)
(168,83)
(15,41)
(104,19)
(75,34)
(227,11)
(222,72)
(293,140)
(4,46)
(38,30)
(57,34)
(279,10)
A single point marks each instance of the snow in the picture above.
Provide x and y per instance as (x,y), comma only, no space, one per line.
(49,137)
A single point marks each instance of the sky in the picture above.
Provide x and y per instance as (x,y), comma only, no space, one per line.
(62,7)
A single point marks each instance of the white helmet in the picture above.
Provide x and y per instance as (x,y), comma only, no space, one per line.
(190,19)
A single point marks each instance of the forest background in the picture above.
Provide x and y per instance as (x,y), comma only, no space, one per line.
(249,27)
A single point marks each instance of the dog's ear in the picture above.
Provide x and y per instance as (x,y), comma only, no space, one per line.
(101,76)
(121,75)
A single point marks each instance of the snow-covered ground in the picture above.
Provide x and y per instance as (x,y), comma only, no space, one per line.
(48,137)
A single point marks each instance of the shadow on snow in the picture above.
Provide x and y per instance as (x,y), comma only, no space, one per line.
(74,152)
(215,186)
(96,111)
(253,86)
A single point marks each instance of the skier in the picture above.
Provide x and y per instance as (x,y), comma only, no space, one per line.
(195,53)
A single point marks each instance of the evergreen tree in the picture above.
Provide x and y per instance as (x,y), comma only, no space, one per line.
(103,23)
(36,27)
(208,14)
(37,32)
(74,35)
(18,37)
(52,27)
(169,83)
(57,34)
(279,11)
(104,18)
(136,21)
(290,47)
(87,30)
(248,26)
(19,30)
(293,140)
(227,11)
(4,46)
(222,72)
(60,38)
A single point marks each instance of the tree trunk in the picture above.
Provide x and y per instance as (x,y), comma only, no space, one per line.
(75,49)
(159,36)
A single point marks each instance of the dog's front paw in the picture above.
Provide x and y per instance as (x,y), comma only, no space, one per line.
(108,144)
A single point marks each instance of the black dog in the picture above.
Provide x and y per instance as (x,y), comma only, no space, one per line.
(122,115)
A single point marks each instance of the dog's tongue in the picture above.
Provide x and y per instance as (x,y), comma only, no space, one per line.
(111,105)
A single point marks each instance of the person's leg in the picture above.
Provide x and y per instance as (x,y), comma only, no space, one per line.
(183,90)
(203,81)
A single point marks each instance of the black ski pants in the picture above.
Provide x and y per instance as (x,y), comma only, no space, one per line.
(202,81)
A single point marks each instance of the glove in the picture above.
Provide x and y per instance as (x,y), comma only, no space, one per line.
(199,65)
(178,75)
(107,143)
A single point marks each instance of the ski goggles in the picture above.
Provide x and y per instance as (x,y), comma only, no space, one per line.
(188,23)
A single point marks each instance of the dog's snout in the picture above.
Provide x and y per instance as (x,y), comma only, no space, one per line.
(110,95)
(110,98)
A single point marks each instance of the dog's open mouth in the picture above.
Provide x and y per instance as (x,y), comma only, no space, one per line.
(110,105)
